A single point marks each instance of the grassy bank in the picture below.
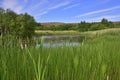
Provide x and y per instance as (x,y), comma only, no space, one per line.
(72,32)
(112,31)
(48,32)
(96,59)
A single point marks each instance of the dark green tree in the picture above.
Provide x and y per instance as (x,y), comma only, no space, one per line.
(107,23)
(10,17)
(83,26)
(26,26)
(104,21)
(2,11)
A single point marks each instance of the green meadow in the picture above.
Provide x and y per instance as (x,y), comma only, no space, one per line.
(68,48)
(93,59)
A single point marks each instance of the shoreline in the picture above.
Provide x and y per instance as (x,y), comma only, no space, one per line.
(49,32)
(72,32)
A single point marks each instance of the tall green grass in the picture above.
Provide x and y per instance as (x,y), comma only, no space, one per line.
(95,59)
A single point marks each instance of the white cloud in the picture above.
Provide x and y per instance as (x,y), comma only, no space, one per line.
(49,6)
(45,11)
(25,1)
(37,6)
(103,2)
(40,14)
(71,6)
(59,5)
(12,4)
(101,17)
(96,12)
(32,8)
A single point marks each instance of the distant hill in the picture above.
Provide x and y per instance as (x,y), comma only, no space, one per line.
(118,22)
(47,24)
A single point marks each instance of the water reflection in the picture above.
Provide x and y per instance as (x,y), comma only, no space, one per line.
(60,40)
(60,44)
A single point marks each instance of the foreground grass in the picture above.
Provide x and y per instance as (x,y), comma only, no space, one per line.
(96,59)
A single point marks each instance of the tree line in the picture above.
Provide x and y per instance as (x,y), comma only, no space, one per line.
(104,24)
(82,26)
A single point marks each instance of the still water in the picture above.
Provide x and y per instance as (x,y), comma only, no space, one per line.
(61,40)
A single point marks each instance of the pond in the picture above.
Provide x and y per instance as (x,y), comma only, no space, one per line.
(60,40)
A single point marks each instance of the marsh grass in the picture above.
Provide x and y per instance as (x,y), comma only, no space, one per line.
(96,59)
(49,32)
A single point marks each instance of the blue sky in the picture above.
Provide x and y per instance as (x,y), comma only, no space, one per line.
(68,11)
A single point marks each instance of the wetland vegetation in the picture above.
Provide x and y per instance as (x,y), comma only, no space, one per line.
(94,58)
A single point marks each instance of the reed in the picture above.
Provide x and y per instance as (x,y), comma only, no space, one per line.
(96,59)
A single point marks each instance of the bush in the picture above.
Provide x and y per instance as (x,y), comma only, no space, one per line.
(96,27)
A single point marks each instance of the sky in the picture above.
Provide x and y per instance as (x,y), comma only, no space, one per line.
(68,11)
